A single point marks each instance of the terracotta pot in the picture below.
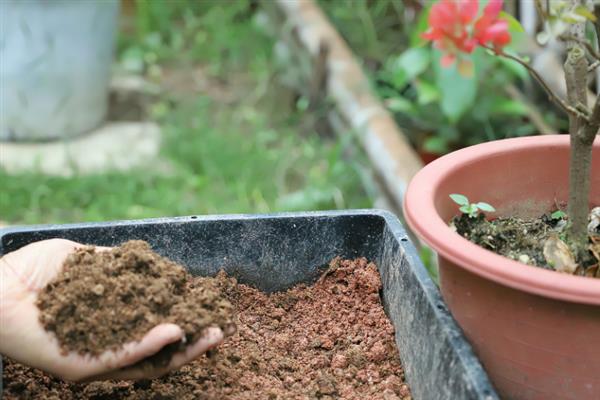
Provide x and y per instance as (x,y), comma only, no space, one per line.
(536,331)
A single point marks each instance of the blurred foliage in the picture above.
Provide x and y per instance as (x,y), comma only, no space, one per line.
(438,108)
(374,28)
(225,165)
(221,33)
(236,156)
(428,257)
(442,110)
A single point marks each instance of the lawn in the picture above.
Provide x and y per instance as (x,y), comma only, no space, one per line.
(236,144)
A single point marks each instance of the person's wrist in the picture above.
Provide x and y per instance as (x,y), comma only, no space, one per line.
(8,285)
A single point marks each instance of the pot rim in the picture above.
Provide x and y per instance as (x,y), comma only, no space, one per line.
(422,217)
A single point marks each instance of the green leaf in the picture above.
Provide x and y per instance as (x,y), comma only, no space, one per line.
(471,210)
(302,103)
(436,145)
(422,24)
(519,40)
(514,68)
(426,92)
(485,207)
(459,199)
(572,18)
(508,107)
(558,214)
(457,92)
(399,78)
(585,12)
(513,24)
(132,59)
(400,104)
(555,27)
(449,132)
(414,61)
(429,259)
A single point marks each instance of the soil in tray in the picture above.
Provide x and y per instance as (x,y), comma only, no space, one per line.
(330,340)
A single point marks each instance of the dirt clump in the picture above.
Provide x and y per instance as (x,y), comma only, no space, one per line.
(525,239)
(104,299)
(330,340)
(515,238)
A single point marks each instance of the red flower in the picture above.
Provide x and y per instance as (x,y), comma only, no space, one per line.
(454,30)
(490,29)
(448,21)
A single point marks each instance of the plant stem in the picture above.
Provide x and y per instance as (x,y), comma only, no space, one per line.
(579,189)
(588,46)
(540,10)
(553,96)
(576,67)
(597,24)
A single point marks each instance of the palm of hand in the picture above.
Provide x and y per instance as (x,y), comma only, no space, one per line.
(23,274)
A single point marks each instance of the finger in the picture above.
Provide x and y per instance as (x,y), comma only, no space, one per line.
(102,248)
(113,365)
(157,338)
(212,338)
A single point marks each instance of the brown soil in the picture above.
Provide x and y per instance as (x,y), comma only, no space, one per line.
(103,299)
(523,239)
(329,340)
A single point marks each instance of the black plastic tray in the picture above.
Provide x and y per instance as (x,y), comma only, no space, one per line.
(275,252)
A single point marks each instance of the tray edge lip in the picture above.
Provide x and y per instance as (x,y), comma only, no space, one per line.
(386,215)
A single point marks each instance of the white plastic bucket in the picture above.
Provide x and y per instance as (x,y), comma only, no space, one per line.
(55,60)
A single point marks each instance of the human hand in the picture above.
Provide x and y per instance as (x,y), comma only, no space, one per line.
(23,273)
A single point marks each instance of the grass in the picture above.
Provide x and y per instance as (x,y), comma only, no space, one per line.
(246,155)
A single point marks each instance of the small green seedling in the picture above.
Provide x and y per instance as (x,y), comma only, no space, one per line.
(558,214)
(472,210)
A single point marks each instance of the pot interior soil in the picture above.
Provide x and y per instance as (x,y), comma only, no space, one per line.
(328,340)
(533,241)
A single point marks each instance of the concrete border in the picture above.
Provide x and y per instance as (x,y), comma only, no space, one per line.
(116,145)
(328,69)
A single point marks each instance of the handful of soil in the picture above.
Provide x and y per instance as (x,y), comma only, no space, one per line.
(104,299)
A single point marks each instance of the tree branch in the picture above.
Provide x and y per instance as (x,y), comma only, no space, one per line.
(553,96)
(576,67)
(593,127)
(540,10)
(597,24)
(588,46)
(593,66)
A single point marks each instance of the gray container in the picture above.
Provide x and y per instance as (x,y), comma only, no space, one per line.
(55,65)
(275,252)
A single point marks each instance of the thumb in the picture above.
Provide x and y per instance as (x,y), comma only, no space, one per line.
(38,263)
